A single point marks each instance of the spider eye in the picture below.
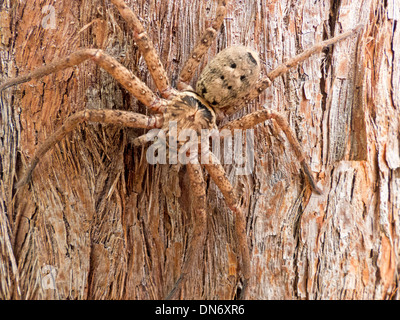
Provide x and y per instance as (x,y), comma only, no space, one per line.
(222,77)
(233,65)
(242,78)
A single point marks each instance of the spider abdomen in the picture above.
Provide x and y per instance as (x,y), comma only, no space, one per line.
(229,76)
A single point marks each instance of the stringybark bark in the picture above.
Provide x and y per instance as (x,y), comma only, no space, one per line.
(99,222)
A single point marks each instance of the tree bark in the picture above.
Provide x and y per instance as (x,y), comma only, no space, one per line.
(98,222)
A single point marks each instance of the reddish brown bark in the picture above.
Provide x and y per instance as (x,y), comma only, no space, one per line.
(112,226)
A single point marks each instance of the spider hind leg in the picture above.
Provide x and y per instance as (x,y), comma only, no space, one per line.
(202,46)
(146,47)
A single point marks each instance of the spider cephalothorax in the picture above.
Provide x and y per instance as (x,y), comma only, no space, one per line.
(229,76)
(189,111)
(230,80)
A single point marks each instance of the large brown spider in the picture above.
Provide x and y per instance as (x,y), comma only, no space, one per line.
(227,83)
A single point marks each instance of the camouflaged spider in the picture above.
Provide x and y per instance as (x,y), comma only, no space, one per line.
(228,82)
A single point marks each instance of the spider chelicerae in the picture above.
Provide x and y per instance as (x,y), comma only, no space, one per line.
(227,83)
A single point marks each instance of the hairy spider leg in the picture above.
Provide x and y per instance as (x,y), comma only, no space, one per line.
(251,120)
(283,68)
(202,46)
(196,244)
(126,78)
(220,178)
(147,49)
(141,140)
(124,118)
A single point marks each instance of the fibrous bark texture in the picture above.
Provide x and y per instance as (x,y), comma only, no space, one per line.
(99,222)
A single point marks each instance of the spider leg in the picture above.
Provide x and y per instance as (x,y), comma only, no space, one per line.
(202,46)
(141,140)
(218,174)
(145,45)
(123,118)
(127,79)
(196,243)
(144,138)
(267,80)
(252,119)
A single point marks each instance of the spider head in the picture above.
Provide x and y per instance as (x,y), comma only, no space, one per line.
(230,76)
(187,113)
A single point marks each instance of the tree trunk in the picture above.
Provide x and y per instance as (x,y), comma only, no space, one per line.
(99,222)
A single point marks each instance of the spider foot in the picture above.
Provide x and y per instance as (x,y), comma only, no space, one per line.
(23,181)
(244,293)
(310,178)
(174,293)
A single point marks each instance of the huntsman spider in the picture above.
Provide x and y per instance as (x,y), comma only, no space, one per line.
(231,80)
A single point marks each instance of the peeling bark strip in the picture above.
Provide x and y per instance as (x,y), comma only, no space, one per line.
(100,223)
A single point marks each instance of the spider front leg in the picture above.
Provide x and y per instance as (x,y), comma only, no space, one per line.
(126,78)
(123,118)
(201,47)
(218,174)
(146,46)
(196,244)
(252,119)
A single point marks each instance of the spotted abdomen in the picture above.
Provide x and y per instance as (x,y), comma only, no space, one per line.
(229,76)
